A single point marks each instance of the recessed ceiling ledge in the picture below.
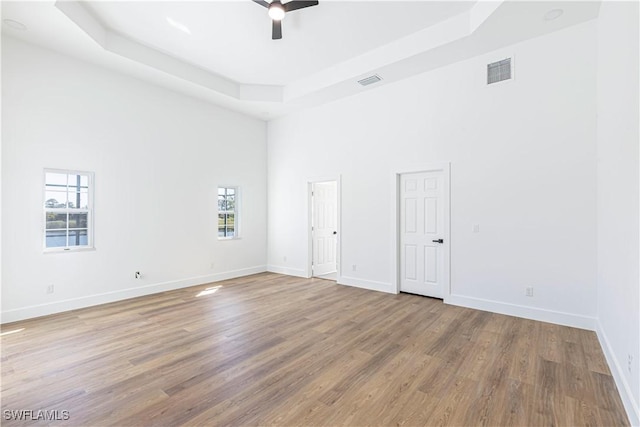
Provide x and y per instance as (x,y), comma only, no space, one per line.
(124,47)
(127,48)
(441,34)
(429,38)
(83,19)
(481,11)
(263,93)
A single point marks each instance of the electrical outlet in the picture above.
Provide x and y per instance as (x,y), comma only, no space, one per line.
(50,289)
(629,362)
(354,267)
(213,265)
(529,291)
(284,258)
(138,275)
(476,228)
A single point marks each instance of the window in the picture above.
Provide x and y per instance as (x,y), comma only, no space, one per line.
(68,210)
(227,212)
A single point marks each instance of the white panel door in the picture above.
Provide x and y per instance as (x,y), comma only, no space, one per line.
(324,222)
(424,267)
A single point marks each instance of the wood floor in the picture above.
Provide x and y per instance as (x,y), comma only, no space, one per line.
(277,350)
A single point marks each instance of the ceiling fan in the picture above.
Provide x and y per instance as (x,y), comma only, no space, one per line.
(277,11)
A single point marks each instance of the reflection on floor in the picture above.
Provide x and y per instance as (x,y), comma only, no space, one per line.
(329,276)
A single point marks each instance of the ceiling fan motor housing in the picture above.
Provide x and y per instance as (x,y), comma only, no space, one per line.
(277,11)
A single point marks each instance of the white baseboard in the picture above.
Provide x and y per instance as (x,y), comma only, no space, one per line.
(367,284)
(624,388)
(287,270)
(107,297)
(557,317)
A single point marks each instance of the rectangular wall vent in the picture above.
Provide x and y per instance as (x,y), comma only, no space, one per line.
(499,71)
(370,80)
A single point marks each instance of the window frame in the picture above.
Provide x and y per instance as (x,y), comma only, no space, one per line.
(69,211)
(235,212)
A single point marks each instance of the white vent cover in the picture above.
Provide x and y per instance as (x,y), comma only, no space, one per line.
(370,80)
(499,71)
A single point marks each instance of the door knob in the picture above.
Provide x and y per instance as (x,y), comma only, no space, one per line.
(335,232)
(438,241)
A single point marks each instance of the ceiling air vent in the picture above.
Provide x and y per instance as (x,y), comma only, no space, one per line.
(370,80)
(499,71)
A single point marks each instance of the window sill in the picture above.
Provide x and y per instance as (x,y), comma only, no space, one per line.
(67,250)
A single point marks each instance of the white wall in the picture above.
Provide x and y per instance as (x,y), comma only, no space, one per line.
(618,197)
(158,158)
(523,157)
(523,167)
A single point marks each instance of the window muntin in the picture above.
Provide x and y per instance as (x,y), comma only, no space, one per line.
(227,212)
(67,210)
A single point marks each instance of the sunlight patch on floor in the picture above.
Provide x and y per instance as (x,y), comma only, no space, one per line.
(11,332)
(208,291)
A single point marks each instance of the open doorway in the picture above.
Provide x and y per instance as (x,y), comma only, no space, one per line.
(324,229)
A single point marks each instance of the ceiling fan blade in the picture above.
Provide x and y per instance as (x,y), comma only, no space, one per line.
(298,4)
(262,3)
(276,32)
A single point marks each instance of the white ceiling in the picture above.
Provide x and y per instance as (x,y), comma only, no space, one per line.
(233,39)
(222,52)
